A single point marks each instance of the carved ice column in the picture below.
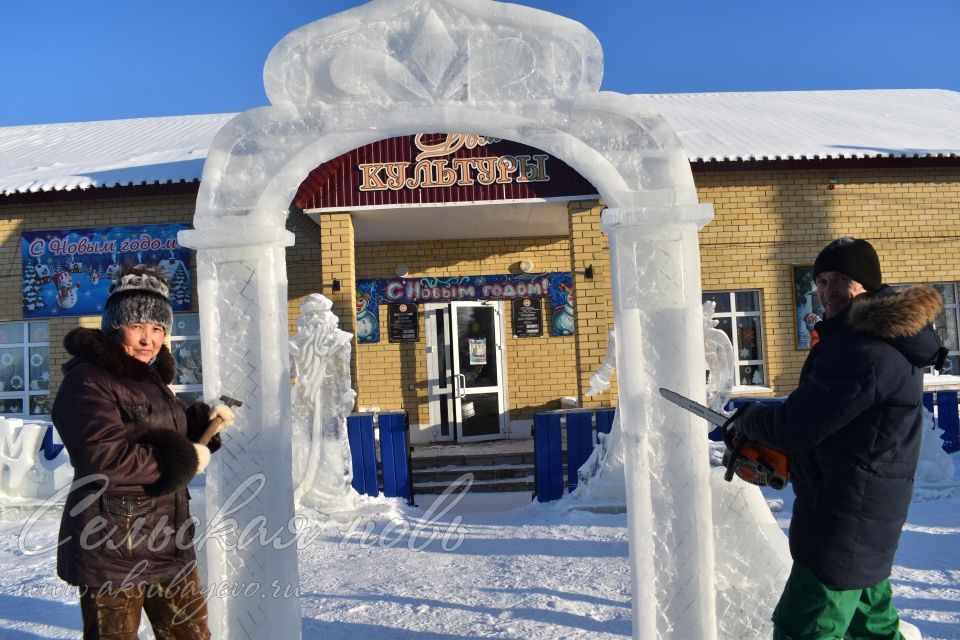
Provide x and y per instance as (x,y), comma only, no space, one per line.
(242,285)
(655,268)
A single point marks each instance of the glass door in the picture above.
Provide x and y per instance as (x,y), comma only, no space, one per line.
(478,385)
(439,371)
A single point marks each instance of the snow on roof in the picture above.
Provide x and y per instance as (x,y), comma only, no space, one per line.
(714,127)
(107,153)
(785,125)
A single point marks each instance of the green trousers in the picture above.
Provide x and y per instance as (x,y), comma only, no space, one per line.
(810,610)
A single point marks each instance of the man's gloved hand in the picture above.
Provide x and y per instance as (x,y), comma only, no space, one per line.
(224,413)
(741,424)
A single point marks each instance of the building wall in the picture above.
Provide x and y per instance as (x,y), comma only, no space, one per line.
(767,221)
(539,371)
(82,210)
(588,247)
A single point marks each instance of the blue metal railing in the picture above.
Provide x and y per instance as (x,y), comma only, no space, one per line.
(394,464)
(581,425)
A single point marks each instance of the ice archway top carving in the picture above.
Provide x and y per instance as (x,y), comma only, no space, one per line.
(390,68)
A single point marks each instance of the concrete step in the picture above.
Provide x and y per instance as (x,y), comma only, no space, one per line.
(480,486)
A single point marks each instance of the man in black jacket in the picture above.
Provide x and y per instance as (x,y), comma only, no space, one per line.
(853,429)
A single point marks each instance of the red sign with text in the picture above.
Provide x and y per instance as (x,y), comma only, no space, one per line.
(439,168)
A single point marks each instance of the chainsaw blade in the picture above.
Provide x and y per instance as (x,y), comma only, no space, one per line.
(708,414)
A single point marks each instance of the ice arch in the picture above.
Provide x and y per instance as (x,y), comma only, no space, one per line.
(395,67)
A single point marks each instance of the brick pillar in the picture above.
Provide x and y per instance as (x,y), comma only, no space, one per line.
(594,309)
(338,261)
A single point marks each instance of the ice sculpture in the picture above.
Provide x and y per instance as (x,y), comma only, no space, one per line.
(600,479)
(721,360)
(322,399)
(395,67)
(25,473)
(935,464)
(753,558)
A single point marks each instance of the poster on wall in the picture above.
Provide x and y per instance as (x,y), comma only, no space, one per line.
(368,314)
(557,286)
(67,272)
(403,321)
(527,317)
(561,303)
(807,308)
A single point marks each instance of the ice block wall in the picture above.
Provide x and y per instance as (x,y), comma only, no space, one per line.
(655,268)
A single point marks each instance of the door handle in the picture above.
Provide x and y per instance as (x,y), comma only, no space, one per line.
(461,385)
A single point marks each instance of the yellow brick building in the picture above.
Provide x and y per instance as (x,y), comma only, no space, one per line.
(771,217)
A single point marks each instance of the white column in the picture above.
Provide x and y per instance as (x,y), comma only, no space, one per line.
(242,287)
(655,268)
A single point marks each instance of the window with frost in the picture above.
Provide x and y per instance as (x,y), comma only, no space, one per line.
(185,347)
(946,324)
(738,315)
(25,369)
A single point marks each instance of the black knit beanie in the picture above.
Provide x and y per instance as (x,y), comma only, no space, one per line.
(139,294)
(854,258)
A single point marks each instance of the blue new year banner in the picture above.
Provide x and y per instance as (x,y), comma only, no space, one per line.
(67,272)
(556,286)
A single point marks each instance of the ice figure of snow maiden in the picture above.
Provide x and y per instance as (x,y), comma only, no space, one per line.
(322,398)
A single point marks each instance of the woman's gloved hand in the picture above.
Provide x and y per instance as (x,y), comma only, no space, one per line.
(224,414)
(203,457)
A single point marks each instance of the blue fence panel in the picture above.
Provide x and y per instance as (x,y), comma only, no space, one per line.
(948,420)
(363,454)
(50,448)
(605,420)
(548,456)
(579,443)
(395,455)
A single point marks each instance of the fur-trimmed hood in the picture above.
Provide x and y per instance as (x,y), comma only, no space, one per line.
(902,318)
(94,346)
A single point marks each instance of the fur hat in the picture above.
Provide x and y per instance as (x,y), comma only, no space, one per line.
(138,294)
(851,257)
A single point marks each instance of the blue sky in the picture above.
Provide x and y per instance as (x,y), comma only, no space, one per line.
(67,61)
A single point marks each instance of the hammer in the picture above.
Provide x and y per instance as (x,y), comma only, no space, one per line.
(214,427)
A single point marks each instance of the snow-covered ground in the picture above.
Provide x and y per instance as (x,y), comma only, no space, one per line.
(483,565)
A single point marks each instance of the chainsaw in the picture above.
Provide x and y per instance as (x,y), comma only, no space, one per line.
(753,462)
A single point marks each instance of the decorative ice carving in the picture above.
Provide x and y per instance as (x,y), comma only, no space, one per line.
(601,476)
(322,399)
(721,360)
(25,473)
(935,464)
(395,67)
(753,558)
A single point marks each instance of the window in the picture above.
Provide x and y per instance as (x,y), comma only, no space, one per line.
(741,310)
(25,369)
(946,324)
(185,346)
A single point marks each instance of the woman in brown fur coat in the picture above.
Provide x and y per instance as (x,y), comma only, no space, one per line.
(126,535)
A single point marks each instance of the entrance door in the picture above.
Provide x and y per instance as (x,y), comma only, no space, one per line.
(466,371)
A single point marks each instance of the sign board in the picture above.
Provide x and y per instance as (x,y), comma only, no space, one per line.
(527,317)
(67,272)
(437,169)
(403,321)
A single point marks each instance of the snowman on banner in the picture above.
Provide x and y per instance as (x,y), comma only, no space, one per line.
(66,289)
(367,324)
